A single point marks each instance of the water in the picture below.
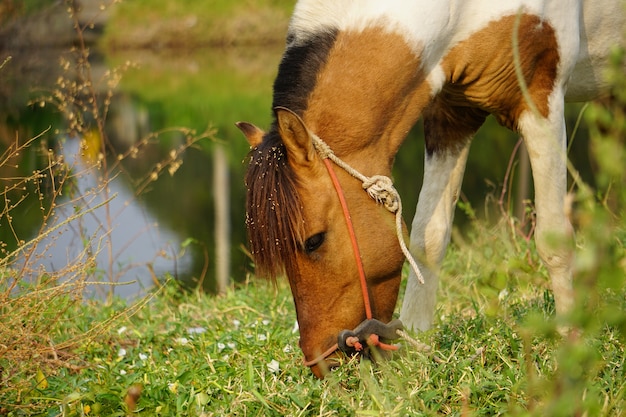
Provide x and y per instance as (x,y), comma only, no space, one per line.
(142,250)
(165,217)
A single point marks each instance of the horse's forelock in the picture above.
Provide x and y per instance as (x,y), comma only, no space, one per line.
(273,211)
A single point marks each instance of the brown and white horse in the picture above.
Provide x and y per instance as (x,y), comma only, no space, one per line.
(357,75)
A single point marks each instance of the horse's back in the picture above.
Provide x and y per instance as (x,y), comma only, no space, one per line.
(586,29)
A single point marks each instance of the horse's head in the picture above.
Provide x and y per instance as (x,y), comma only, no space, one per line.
(296,224)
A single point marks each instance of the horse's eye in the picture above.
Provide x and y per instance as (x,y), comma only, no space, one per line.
(314,242)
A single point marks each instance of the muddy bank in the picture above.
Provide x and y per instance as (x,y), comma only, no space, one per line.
(110,29)
(53,27)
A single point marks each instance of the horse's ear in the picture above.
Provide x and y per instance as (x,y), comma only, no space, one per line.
(295,135)
(253,134)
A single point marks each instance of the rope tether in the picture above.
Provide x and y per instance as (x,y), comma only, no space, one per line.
(378,187)
(381,189)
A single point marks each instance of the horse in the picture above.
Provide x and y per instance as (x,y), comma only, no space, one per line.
(354,78)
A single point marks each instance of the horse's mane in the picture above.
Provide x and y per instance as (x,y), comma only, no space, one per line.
(273,211)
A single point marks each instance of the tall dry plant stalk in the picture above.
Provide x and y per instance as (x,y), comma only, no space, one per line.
(32,296)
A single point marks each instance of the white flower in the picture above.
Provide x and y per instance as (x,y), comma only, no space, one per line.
(196,330)
(273,366)
(143,356)
(173,387)
(262,337)
(265,322)
(121,353)
(121,330)
(221,346)
(182,340)
(122,372)
(236,323)
(287,349)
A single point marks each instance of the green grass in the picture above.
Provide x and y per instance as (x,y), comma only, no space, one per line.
(495,351)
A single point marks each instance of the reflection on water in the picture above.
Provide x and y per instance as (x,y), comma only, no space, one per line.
(142,252)
(157,222)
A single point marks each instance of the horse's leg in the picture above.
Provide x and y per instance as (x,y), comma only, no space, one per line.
(546,142)
(447,146)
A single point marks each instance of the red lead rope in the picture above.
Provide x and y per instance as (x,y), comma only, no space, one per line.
(355,246)
(372,339)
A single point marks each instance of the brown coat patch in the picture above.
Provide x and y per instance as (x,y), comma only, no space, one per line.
(481,69)
(481,80)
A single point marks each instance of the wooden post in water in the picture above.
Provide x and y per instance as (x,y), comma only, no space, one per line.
(221,198)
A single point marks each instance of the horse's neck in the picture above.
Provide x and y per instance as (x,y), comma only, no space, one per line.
(368,94)
(381,71)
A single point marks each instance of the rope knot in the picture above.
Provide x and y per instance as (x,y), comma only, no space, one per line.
(381,189)
(378,187)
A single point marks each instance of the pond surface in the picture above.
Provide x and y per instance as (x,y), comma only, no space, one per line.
(180,215)
(140,249)
(171,177)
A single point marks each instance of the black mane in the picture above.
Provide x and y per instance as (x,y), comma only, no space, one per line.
(298,70)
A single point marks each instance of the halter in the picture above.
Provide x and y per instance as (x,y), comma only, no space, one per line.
(381,189)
